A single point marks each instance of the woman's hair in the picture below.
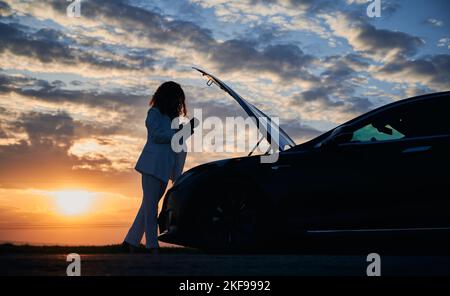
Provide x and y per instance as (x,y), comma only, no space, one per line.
(169,99)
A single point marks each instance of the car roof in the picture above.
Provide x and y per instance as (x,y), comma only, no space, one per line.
(380,109)
(398,103)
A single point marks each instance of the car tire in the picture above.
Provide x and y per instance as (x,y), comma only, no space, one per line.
(231,221)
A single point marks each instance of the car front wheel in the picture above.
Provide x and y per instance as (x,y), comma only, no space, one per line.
(231,221)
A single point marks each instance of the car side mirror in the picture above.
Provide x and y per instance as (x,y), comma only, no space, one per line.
(343,138)
(340,135)
(338,139)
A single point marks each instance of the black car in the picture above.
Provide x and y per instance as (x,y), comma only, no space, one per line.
(381,177)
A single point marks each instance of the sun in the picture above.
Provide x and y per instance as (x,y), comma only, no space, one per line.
(73,202)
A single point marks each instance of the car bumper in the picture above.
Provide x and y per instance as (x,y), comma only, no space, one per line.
(167,217)
(174,226)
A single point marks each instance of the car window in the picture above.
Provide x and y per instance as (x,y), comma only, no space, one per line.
(369,133)
(423,118)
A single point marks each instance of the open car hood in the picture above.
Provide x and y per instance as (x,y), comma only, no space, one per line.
(282,141)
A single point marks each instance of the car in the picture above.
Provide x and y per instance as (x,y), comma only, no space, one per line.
(381,177)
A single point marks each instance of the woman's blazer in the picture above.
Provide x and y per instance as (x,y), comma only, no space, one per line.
(157,157)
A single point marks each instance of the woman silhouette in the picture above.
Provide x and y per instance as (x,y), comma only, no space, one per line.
(157,163)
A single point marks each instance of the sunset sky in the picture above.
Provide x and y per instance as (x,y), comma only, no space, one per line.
(74,92)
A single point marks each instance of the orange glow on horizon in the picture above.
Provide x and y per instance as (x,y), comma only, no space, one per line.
(73,202)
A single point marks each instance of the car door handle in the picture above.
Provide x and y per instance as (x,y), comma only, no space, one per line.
(276,167)
(416,149)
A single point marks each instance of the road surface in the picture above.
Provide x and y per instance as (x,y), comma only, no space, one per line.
(223,265)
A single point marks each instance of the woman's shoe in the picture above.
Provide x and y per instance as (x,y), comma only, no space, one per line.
(153,251)
(129,248)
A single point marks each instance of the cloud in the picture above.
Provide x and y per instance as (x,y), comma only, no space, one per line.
(444,42)
(358,2)
(44,154)
(106,153)
(284,60)
(378,44)
(396,51)
(49,46)
(106,135)
(432,71)
(272,59)
(267,7)
(192,43)
(55,92)
(324,99)
(58,150)
(285,15)
(5,9)
(146,23)
(3,134)
(335,96)
(42,128)
(299,131)
(130,49)
(434,22)
(307,5)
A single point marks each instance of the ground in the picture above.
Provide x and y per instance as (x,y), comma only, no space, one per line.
(26,260)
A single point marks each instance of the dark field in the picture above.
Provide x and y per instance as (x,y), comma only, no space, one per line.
(107,260)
